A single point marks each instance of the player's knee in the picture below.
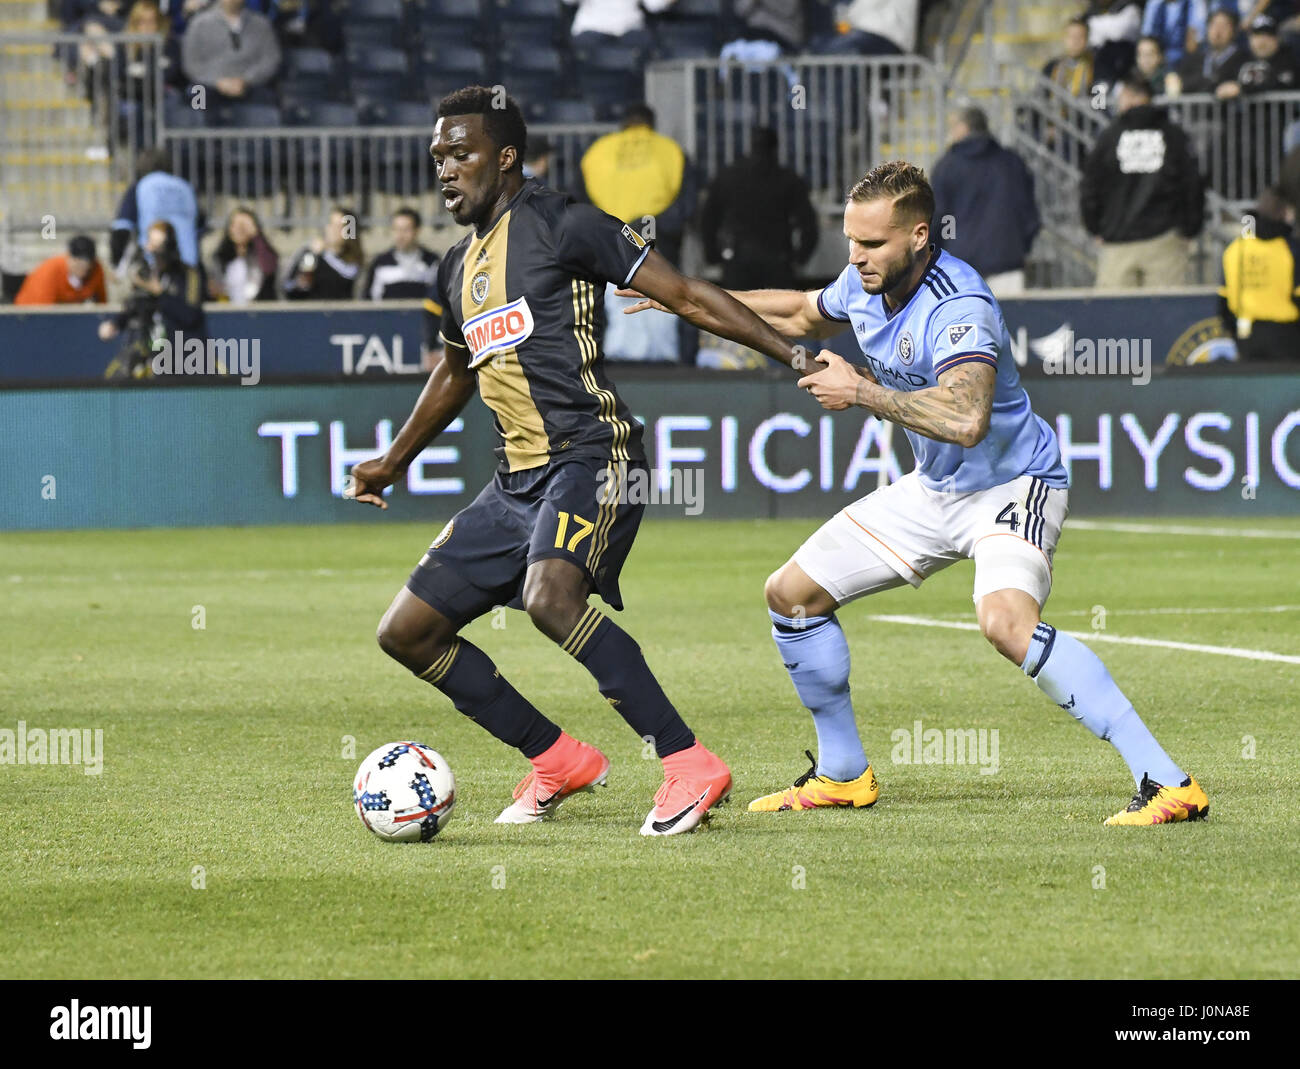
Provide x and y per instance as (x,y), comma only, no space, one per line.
(402,639)
(1007,632)
(553,612)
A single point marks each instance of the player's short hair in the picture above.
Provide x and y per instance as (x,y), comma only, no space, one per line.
(82,247)
(901,182)
(503,121)
(410,213)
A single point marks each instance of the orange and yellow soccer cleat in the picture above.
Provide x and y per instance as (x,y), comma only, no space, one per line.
(1155,803)
(568,767)
(695,780)
(811,791)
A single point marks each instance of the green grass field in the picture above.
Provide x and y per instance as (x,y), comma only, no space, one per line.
(224,748)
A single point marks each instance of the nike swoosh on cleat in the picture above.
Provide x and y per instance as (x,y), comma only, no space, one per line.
(668,825)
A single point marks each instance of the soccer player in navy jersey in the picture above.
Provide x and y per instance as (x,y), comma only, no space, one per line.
(522,318)
(988,485)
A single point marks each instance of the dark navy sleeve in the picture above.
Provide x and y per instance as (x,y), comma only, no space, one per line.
(596,245)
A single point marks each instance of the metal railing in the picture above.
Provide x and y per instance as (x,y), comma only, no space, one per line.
(834,117)
(76,111)
(296,174)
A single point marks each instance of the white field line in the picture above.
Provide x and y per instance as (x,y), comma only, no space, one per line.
(1101,636)
(1177,529)
(1174,610)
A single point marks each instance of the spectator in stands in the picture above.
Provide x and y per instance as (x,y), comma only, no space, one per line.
(598,23)
(327,269)
(985,211)
(146,17)
(1073,69)
(873,28)
(1215,64)
(166,298)
(1269,68)
(1141,195)
(758,221)
(1257,301)
(642,177)
(245,264)
(1113,29)
(782,21)
(1178,25)
(1150,62)
(156,194)
(231,51)
(408,269)
(76,278)
(537,158)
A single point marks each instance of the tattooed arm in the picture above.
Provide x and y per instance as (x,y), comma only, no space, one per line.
(957,410)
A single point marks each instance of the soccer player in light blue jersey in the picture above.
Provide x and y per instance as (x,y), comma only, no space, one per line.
(988,485)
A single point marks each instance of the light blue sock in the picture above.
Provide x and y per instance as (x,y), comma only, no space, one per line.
(1073,676)
(816,655)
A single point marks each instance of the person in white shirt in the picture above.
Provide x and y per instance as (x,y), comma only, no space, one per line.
(598,22)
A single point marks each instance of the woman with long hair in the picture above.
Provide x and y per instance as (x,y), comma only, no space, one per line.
(244,265)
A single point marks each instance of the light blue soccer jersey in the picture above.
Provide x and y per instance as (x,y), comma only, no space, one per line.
(950,319)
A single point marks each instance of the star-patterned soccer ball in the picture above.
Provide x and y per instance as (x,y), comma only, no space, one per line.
(404,792)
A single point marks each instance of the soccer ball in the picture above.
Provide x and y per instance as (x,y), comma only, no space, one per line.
(404,792)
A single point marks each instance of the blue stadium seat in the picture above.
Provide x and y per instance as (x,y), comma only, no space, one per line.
(310,61)
(370,90)
(561,111)
(437,85)
(371,60)
(686,40)
(326,113)
(626,58)
(372,35)
(374,11)
(452,21)
(247,116)
(699,9)
(610,86)
(535,58)
(471,64)
(532,87)
(529,10)
(410,113)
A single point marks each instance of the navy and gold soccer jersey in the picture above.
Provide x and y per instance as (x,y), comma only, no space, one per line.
(525,302)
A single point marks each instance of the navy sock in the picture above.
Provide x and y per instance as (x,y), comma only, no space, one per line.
(1074,677)
(612,656)
(469,678)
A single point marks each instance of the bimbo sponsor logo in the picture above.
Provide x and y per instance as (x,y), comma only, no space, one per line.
(500,329)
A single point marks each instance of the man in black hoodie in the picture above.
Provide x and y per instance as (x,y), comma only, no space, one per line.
(1142,195)
(984,209)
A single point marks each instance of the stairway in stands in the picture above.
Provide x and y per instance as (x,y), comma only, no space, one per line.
(53,153)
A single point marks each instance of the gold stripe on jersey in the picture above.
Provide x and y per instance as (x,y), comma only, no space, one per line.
(501,380)
(584,304)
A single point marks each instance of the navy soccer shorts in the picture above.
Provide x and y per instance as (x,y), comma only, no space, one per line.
(575,510)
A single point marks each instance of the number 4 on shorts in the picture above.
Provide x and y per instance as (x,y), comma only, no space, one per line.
(1008,516)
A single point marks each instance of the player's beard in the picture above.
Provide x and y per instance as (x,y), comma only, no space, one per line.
(896,274)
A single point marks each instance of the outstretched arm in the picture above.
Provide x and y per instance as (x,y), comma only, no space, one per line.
(793,313)
(450,386)
(710,308)
(957,410)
